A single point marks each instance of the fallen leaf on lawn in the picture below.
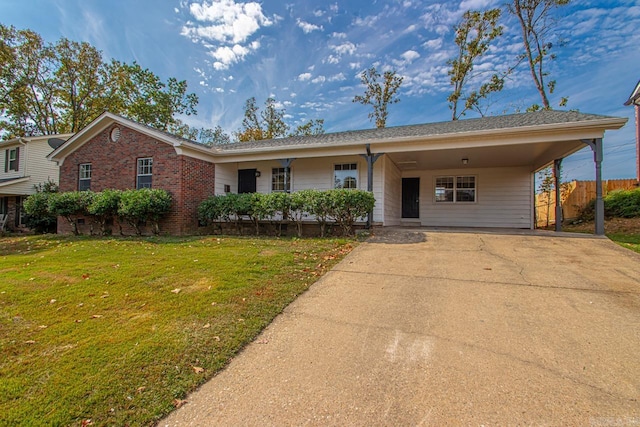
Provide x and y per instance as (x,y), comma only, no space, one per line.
(198,369)
(52,301)
(213,303)
(30,342)
(217,338)
(86,423)
(85,276)
(240,320)
(78,321)
(96,316)
(262,342)
(42,327)
(487,268)
(178,402)
(141,389)
(32,279)
(208,325)
(176,290)
(106,295)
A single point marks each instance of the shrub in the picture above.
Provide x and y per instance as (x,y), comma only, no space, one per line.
(319,204)
(298,208)
(212,211)
(347,206)
(104,208)
(70,204)
(36,206)
(623,203)
(139,206)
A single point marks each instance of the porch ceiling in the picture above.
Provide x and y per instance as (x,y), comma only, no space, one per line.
(533,155)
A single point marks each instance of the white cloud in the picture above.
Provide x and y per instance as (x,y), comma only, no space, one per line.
(355,65)
(219,90)
(339,35)
(337,77)
(225,21)
(304,76)
(410,56)
(319,79)
(433,44)
(332,59)
(345,48)
(308,27)
(318,13)
(225,27)
(368,21)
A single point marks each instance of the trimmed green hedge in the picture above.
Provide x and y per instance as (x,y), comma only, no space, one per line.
(340,206)
(132,206)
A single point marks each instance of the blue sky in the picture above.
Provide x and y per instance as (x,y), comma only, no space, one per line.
(309,54)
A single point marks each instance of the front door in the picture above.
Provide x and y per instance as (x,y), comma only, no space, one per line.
(247,180)
(410,197)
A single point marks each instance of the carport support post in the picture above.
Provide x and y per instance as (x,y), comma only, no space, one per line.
(596,146)
(557,163)
(371,159)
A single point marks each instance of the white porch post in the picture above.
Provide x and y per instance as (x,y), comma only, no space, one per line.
(371,159)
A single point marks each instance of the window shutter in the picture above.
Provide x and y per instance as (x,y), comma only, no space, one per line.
(17,158)
(6,161)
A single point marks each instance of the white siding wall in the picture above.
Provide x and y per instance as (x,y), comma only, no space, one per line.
(504,199)
(33,163)
(311,173)
(226,173)
(392,192)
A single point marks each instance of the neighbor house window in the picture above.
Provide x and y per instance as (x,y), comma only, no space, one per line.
(145,173)
(84,177)
(345,175)
(11,159)
(455,189)
(281,179)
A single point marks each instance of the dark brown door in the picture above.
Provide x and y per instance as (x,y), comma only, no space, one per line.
(410,197)
(247,180)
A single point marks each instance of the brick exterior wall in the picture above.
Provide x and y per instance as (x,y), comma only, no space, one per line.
(114,165)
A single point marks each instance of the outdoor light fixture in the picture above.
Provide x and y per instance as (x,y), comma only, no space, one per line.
(465,161)
(258,174)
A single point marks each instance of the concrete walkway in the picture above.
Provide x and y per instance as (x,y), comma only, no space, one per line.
(459,329)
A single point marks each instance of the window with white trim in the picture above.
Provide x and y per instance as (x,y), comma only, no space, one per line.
(345,175)
(455,189)
(84,176)
(145,173)
(281,179)
(12,159)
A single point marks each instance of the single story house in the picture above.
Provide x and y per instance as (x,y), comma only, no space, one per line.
(23,165)
(464,173)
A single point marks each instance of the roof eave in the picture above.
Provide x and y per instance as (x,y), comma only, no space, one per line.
(599,125)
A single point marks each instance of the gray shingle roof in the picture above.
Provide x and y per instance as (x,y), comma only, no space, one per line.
(512,121)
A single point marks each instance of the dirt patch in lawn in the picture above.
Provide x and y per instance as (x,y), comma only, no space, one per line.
(613,225)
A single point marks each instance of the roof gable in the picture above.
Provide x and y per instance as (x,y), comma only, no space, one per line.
(106,119)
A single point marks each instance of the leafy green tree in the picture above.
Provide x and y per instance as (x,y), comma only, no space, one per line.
(51,88)
(310,128)
(379,94)
(536,22)
(474,35)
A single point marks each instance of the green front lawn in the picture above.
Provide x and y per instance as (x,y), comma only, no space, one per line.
(118,331)
(629,241)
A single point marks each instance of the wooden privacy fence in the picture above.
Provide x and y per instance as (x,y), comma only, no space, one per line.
(575,196)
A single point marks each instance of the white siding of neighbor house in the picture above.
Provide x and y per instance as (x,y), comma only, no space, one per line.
(503,199)
(33,163)
(306,173)
(392,192)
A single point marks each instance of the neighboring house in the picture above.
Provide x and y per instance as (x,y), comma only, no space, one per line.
(23,165)
(465,173)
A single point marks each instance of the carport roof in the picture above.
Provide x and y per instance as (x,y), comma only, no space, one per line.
(546,119)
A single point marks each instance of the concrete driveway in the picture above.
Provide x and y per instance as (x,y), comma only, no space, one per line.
(463,328)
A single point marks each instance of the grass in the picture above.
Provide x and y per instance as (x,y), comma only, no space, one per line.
(623,231)
(118,331)
(629,241)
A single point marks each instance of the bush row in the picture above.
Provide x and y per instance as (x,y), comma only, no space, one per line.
(618,203)
(342,207)
(132,206)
